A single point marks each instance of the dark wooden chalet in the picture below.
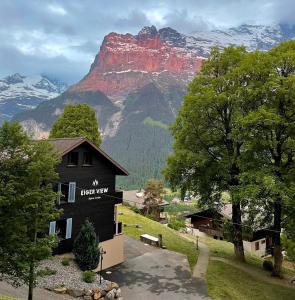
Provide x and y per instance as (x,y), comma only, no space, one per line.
(210,222)
(87,186)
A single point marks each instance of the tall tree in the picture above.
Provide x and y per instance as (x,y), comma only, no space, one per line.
(153,196)
(270,135)
(77,120)
(27,204)
(207,147)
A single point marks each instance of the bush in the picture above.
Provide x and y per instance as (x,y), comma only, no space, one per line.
(65,262)
(46,272)
(89,276)
(85,248)
(267,265)
(176,223)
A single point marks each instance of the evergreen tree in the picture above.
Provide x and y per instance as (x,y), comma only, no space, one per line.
(85,249)
(77,120)
(27,204)
(207,147)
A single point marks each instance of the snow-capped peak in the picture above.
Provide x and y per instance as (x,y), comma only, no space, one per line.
(19,92)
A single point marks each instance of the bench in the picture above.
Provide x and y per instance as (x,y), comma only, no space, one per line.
(149,239)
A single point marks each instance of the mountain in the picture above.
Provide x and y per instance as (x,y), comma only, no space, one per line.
(20,93)
(136,85)
(126,63)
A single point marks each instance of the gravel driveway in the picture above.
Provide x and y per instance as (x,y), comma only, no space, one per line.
(150,274)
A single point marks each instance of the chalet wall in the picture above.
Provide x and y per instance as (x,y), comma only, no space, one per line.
(98,208)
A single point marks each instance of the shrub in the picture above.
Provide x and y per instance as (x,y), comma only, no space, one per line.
(46,272)
(89,276)
(85,248)
(267,265)
(176,223)
(65,262)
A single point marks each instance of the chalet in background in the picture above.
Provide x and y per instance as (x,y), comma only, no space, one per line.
(87,184)
(137,199)
(210,222)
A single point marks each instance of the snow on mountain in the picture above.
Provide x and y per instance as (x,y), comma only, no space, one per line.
(19,93)
(253,37)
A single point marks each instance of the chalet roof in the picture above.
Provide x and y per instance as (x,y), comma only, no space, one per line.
(225,211)
(65,145)
(136,198)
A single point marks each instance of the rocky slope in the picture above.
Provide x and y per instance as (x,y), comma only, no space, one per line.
(20,93)
(136,85)
(128,62)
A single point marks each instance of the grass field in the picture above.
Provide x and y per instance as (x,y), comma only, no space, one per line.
(227,282)
(171,239)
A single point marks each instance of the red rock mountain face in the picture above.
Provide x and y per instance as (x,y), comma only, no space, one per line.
(127,62)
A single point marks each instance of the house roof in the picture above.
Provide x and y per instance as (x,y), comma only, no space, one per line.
(136,198)
(65,145)
(225,211)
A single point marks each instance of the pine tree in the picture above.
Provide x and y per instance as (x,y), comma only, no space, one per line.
(86,249)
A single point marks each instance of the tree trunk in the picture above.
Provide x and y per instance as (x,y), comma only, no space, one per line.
(278,258)
(238,236)
(31,281)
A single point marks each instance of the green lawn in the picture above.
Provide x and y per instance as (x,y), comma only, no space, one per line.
(171,239)
(2,297)
(226,250)
(227,282)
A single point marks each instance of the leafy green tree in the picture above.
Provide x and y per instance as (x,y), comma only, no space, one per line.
(86,249)
(77,120)
(269,131)
(207,148)
(27,204)
(153,196)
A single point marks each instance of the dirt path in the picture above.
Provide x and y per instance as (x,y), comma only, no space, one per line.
(260,275)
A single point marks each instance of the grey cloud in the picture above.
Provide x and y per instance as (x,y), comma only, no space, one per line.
(136,19)
(61,37)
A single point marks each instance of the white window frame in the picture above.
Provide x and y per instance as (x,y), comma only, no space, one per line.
(69,228)
(72,192)
(52,228)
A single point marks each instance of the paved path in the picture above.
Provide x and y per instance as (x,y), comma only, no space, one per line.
(155,274)
(260,275)
(200,270)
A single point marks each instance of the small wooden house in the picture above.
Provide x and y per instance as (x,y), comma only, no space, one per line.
(209,222)
(87,189)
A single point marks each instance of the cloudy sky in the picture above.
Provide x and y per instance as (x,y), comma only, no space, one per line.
(60,38)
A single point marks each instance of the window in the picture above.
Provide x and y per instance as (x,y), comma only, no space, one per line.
(87,159)
(73,158)
(62,228)
(72,192)
(263,242)
(59,193)
(256,246)
(67,192)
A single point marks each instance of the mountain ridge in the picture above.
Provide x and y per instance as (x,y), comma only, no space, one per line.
(136,84)
(20,93)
